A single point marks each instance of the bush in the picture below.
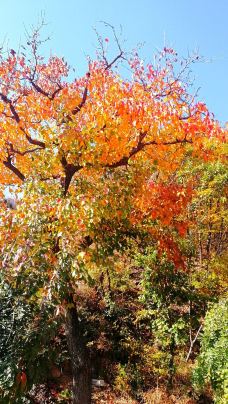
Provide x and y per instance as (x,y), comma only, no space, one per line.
(212,363)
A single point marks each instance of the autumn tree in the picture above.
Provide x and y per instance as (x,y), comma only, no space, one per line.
(94,162)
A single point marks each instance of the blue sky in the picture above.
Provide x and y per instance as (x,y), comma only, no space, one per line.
(184,24)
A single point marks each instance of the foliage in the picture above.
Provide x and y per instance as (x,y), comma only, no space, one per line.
(111,199)
(212,363)
(26,356)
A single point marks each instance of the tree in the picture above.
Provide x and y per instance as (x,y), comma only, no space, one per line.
(94,161)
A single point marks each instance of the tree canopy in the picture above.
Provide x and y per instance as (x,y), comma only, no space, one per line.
(103,169)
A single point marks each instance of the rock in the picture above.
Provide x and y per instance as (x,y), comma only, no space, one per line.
(98,382)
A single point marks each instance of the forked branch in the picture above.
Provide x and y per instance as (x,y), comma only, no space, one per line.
(141,145)
(8,163)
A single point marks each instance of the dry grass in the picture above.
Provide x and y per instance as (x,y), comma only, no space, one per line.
(107,396)
(153,396)
(160,396)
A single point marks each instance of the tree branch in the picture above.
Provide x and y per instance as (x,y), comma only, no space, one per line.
(24,152)
(8,163)
(80,105)
(70,170)
(16,117)
(110,64)
(84,97)
(141,145)
(103,50)
(56,92)
(6,100)
(43,92)
(78,108)
(124,160)
(176,141)
(33,141)
(192,342)
(39,89)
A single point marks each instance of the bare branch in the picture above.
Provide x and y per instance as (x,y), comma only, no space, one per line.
(34,41)
(103,50)
(110,64)
(192,341)
(114,34)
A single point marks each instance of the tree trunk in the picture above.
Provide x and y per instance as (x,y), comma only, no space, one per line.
(79,356)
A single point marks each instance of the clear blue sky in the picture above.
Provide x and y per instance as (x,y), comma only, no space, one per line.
(186,25)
